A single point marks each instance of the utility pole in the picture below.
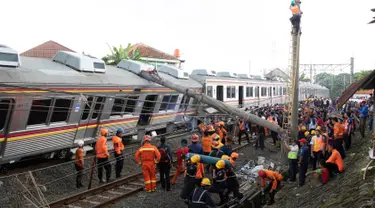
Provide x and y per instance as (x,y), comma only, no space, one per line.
(351,70)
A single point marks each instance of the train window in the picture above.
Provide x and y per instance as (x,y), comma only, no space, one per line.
(39,111)
(61,109)
(131,104)
(228,92)
(263,91)
(249,92)
(284,91)
(274,91)
(4,110)
(164,103)
(270,91)
(118,106)
(256,91)
(86,111)
(184,102)
(99,103)
(172,102)
(280,91)
(209,91)
(231,92)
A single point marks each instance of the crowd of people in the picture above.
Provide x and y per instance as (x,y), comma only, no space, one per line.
(323,139)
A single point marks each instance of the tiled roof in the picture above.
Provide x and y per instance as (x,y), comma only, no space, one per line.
(364,92)
(150,52)
(46,50)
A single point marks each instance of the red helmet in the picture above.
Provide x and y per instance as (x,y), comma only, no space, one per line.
(194,138)
(262,174)
(146,138)
(210,128)
(217,124)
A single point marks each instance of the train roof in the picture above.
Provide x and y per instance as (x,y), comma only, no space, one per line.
(45,71)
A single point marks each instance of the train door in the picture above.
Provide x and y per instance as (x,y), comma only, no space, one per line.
(147,110)
(240,96)
(220,93)
(257,95)
(6,106)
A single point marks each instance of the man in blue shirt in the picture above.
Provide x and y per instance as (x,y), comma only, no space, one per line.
(195,147)
(363,114)
(303,163)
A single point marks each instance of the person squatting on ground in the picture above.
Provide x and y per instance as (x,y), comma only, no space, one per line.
(79,164)
(334,164)
(102,156)
(118,147)
(147,156)
(275,178)
(193,176)
(200,197)
(181,157)
(165,164)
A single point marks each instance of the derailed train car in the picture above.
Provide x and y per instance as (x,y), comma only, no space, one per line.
(48,105)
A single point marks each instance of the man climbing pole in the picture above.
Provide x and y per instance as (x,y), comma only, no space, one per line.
(296,18)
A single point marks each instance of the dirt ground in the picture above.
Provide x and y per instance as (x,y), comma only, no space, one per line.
(346,190)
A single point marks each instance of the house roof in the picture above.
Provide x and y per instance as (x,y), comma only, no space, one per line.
(363,92)
(277,73)
(367,82)
(46,50)
(150,52)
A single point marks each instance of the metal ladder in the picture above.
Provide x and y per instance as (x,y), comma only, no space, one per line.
(293,59)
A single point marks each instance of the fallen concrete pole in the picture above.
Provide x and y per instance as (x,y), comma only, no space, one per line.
(202,98)
(209,160)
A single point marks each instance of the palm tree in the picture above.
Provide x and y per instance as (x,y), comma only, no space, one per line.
(118,54)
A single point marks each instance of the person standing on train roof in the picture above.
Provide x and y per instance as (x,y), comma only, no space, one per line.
(118,146)
(102,156)
(147,156)
(195,147)
(165,164)
(181,157)
(296,18)
(79,164)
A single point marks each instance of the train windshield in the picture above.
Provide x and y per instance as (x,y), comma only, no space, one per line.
(9,57)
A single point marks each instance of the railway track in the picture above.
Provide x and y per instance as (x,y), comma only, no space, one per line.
(109,193)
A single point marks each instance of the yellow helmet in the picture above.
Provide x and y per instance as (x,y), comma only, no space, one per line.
(195,159)
(221,123)
(306,133)
(206,182)
(312,132)
(225,157)
(220,164)
(303,128)
(318,128)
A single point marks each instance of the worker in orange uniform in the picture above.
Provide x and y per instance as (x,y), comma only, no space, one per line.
(202,128)
(241,126)
(118,146)
(334,164)
(181,156)
(275,178)
(206,143)
(102,156)
(338,133)
(296,18)
(79,164)
(147,156)
(223,130)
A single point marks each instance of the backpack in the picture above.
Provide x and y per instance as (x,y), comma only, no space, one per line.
(164,157)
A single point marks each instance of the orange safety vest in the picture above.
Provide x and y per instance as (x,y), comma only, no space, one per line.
(206,144)
(318,143)
(295,9)
(242,125)
(117,144)
(79,157)
(338,130)
(101,147)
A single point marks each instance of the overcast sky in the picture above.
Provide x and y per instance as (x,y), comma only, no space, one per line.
(235,35)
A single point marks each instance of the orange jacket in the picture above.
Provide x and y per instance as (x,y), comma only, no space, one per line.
(242,125)
(273,176)
(338,130)
(79,157)
(147,153)
(336,159)
(117,144)
(101,147)
(202,128)
(294,9)
(206,144)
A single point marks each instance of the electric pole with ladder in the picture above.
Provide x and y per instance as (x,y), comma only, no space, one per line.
(290,124)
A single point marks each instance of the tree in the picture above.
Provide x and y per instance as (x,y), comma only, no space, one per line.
(303,78)
(118,54)
(361,74)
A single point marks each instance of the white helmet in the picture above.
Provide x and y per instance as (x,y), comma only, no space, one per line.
(80,143)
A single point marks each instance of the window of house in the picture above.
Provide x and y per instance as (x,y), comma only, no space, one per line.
(86,111)
(209,91)
(172,102)
(39,111)
(61,109)
(263,92)
(5,105)
(99,103)
(118,106)
(164,103)
(131,103)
